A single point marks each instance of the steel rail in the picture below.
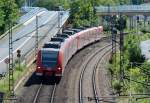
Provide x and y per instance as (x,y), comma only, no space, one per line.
(53,94)
(94,76)
(37,93)
(83,70)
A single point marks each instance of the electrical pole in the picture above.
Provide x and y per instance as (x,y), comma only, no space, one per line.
(58,19)
(36,39)
(108,22)
(11,78)
(121,54)
(122,25)
(113,32)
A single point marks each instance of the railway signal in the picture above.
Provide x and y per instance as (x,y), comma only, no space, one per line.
(121,23)
(18,53)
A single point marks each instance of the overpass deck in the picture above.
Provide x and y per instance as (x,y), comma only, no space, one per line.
(124,9)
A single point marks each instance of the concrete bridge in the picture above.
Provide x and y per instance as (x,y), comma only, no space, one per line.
(128,10)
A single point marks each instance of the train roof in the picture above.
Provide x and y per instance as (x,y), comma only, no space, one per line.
(62,35)
(81,27)
(69,32)
(87,26)
(59,39)
(74,29)
(52,45)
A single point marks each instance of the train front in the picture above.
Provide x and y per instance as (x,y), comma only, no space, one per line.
(49,62)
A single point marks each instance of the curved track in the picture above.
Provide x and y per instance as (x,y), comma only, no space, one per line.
(94,77)
(90,67)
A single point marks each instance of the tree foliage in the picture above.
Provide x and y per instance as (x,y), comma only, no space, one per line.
(1,13)
(83,13)
(133,50)
(136,69)
(51,4)
(19,2)
(9,12)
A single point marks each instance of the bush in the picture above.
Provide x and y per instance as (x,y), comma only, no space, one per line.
(117,86)
(145,30)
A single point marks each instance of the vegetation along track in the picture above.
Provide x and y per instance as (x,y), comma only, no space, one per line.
(87,83)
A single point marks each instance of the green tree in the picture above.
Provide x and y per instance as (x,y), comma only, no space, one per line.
(11,12)
(19,2)
(82,13)
(1,17)
(51,4)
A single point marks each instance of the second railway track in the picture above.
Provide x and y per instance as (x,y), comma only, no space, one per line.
(87,83)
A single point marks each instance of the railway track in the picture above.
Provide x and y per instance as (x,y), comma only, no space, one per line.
(94,77)
(83,97)
(44,94)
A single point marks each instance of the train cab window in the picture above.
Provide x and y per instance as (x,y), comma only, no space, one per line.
(52,45)
(49,58)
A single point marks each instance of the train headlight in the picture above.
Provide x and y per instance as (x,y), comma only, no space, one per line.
(39,67)
(59,68)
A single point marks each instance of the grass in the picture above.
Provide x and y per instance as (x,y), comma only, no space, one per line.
(18,73)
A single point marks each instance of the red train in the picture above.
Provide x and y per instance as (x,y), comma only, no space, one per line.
(54,55)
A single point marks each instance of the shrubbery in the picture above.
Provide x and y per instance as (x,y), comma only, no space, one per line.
(136,69)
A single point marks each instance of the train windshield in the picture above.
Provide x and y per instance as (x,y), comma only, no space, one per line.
(49,59)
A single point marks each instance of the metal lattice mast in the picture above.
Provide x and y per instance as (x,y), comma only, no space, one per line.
(113,32)
(11,79)
(121,51)
(121,55)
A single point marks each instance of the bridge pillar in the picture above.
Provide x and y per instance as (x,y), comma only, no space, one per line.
(131,22)
(145,17)
(100,20)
